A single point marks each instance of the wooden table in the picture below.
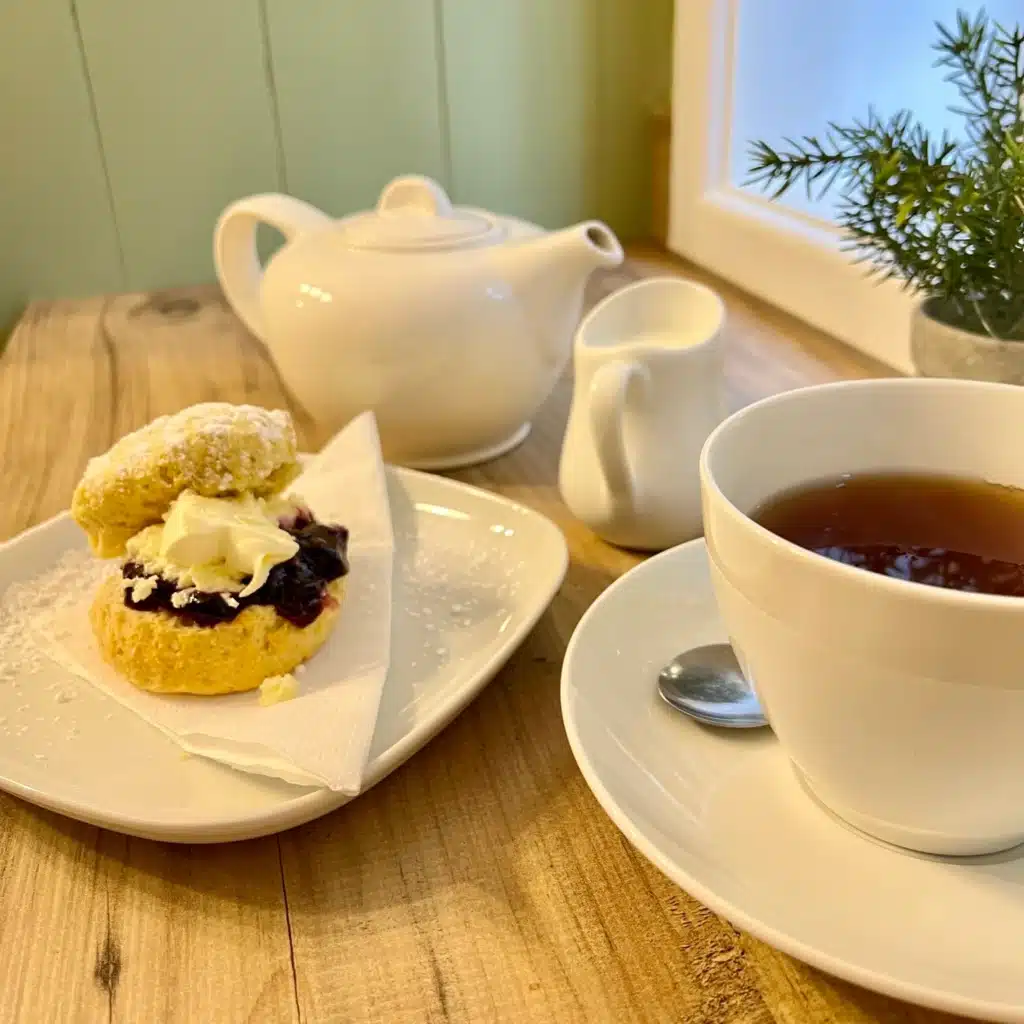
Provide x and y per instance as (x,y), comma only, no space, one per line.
(480,882)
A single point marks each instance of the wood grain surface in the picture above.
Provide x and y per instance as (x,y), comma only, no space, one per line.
(480,882)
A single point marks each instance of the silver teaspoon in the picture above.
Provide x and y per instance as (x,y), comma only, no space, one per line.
(708,684)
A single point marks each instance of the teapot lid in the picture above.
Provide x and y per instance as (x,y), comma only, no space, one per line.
(415,214)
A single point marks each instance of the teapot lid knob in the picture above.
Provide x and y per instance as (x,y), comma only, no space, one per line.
(414,214)
(415,194)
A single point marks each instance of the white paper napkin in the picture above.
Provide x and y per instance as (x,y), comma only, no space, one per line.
(322,737)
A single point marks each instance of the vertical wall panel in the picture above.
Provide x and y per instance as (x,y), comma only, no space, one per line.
(186,122)
(55,217)
(522,102)
(359,96)
(634,50)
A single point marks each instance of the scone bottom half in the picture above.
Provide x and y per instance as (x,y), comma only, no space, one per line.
(162,653)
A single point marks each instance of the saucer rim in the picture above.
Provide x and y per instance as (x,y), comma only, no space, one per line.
(887,984)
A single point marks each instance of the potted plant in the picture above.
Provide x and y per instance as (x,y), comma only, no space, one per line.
(942,215)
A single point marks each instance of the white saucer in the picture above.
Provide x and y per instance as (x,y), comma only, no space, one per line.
(723,815)
(473,573)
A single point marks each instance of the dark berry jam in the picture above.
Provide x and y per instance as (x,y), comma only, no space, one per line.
(296,589)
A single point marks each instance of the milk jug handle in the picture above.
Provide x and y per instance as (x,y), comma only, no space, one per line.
(609,395)
(234,247)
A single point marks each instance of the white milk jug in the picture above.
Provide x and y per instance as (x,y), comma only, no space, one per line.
(648,391)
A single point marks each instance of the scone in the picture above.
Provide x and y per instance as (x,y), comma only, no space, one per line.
(223,582)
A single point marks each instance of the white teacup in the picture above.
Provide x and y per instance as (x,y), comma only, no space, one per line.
(902,705)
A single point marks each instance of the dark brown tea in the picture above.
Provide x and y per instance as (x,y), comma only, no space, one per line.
(942,531)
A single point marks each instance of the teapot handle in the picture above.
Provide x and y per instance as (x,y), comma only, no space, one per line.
(609,393)
(234,247)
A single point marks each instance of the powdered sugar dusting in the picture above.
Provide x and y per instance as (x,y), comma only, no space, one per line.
(453,592)
(170,435)
(25,605)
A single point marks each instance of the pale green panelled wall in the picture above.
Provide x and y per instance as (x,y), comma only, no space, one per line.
(129,124)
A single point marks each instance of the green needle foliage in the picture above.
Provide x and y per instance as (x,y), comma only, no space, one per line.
(941,215)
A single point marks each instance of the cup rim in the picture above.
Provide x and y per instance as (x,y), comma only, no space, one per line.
(839,570)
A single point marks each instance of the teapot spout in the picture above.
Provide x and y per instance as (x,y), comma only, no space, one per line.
(549,273)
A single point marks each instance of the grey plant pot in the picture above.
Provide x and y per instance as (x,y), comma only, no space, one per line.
(939,350)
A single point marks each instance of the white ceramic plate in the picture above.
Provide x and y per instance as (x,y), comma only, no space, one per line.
(473,573)
(722,814)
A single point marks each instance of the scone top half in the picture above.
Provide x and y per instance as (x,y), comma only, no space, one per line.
(214,449)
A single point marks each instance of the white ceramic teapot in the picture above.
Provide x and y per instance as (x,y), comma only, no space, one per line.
(451,323)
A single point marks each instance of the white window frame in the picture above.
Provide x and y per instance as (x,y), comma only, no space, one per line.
(788,259)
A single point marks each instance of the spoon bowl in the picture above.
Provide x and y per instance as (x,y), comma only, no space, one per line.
(708,684)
